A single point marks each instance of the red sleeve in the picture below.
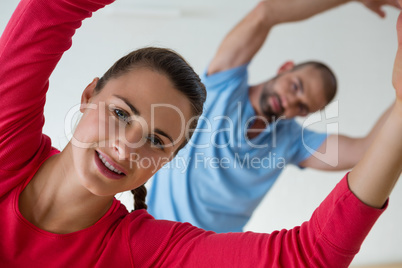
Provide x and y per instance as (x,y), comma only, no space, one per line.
(331,238)
(33,42)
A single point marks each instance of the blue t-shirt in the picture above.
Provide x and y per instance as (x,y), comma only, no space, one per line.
(217,180)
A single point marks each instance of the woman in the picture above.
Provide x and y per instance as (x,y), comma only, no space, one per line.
(58,208)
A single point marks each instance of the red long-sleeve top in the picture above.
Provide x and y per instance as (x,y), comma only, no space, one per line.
(36,37)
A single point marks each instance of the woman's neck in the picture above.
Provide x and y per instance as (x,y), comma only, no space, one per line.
(56,202)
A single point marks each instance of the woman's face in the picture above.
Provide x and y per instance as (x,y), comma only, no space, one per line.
(128,131)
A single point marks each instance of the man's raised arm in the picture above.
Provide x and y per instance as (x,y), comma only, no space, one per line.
(248,36)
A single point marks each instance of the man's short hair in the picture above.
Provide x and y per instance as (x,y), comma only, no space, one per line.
(328,76)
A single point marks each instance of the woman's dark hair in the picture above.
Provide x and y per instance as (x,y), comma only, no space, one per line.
(140,194)
(179,72)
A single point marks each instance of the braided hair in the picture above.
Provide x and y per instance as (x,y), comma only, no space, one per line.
(140,194)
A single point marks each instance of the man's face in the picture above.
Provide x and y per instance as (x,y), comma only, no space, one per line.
(292,93)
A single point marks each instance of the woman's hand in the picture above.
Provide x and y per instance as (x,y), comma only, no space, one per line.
(374,177)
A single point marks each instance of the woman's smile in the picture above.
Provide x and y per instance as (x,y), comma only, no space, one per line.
(107,167)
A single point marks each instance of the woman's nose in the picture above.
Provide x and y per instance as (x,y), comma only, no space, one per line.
(129,141)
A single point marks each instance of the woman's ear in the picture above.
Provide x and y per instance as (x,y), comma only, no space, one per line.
(88,93)
(287,66)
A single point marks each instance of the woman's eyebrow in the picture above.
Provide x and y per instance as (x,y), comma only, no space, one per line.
(133,109)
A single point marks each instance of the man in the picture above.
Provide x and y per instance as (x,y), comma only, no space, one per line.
(248,134)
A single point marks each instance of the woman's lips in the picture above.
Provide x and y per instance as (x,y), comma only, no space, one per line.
(106,171)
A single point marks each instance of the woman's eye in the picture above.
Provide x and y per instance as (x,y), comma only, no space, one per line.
(294,87)
(122,115)
(155,141)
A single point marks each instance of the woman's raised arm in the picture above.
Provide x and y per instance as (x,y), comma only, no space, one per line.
(332,236)
(374,177)
(37,35)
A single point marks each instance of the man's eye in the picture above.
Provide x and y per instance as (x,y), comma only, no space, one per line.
(122,115)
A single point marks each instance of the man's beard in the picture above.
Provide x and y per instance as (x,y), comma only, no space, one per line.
(266,109)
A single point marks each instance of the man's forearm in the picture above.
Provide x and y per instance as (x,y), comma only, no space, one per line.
(282,11)
(247,37)
(373,132)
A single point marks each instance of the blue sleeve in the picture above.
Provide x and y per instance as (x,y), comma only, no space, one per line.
(304,143)
(225,79)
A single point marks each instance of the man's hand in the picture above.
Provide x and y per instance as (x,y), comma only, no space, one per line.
(376,5)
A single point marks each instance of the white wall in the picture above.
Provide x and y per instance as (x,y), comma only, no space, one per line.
(359,46)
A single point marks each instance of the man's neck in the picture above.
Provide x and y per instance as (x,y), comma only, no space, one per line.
(256,128)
